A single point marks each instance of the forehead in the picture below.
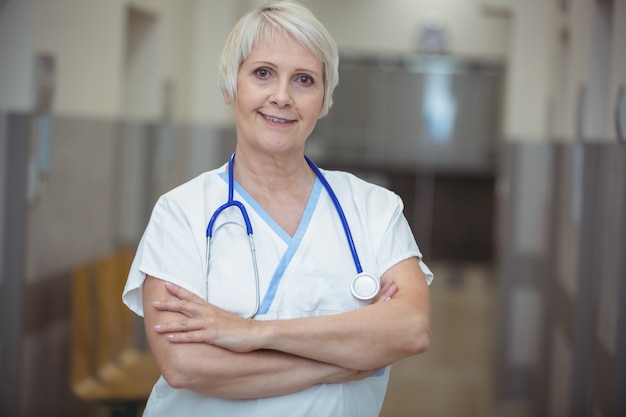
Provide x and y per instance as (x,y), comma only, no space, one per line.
(280,49)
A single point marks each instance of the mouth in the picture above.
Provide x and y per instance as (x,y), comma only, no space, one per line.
(277,121)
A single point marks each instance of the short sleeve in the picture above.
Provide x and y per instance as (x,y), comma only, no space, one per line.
(398,243)
(168,250)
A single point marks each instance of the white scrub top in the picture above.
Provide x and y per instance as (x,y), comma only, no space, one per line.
(306,275)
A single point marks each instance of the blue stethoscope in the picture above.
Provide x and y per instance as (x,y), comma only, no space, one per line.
(364,286)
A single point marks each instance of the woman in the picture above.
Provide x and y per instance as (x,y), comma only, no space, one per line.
(311,348)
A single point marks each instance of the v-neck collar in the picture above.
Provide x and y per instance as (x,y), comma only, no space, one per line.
(280,232)
(293,243)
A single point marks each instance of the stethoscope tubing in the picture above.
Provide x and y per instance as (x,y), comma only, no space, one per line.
(231,202)
(342,216)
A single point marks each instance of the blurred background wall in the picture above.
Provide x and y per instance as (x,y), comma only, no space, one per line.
(497,121)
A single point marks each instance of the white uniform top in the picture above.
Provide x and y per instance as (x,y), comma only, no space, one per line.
(306,275)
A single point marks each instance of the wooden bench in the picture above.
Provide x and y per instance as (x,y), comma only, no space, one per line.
(108,365)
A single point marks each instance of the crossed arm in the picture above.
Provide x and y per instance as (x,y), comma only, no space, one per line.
(205,349)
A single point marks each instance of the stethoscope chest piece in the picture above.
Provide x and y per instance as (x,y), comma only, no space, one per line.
(365,286)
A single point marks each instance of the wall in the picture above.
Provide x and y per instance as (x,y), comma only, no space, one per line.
(528,74)
(88,41)
(558,223)
(90,66)
(393,25)
(16,21)
(113,60)
(212,22)
(618,61)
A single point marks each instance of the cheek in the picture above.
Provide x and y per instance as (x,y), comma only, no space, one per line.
(251,97)
(315,105)
(319,108)
(320,103)
(244,102)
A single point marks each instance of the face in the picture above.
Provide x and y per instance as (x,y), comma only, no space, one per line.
(280,92)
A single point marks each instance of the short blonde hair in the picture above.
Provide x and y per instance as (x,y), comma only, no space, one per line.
(289,18)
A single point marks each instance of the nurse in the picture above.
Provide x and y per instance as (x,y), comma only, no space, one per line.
(312,348)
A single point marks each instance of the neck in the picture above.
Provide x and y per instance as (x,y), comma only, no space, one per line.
(275,175)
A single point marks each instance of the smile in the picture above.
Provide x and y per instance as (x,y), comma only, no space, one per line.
(277,120)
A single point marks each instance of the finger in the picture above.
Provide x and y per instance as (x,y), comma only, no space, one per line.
(187,337)
(181,293)
(178,326)
(184,307)
(386,292)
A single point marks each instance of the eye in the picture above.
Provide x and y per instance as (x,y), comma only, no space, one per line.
(262,73)
(305,80)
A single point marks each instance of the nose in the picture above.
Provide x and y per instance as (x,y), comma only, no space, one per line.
(282,94)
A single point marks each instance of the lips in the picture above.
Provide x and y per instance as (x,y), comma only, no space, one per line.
(277,120)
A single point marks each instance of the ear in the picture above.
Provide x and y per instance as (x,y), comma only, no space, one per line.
(227,99)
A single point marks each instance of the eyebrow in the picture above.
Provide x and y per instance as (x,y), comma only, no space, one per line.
(297,70)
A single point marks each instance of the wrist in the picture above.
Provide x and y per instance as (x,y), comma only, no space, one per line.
(334,374)
(262,331)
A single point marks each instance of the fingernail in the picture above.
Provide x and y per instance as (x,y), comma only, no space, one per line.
(387,299)
(157,327)
(156,303)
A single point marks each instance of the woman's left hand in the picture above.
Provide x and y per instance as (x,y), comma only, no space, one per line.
(388,290)
(204,323)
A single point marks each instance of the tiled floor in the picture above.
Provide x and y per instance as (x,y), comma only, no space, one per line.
(455,376)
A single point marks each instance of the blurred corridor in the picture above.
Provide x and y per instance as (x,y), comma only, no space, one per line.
(501,124)
(456,376)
